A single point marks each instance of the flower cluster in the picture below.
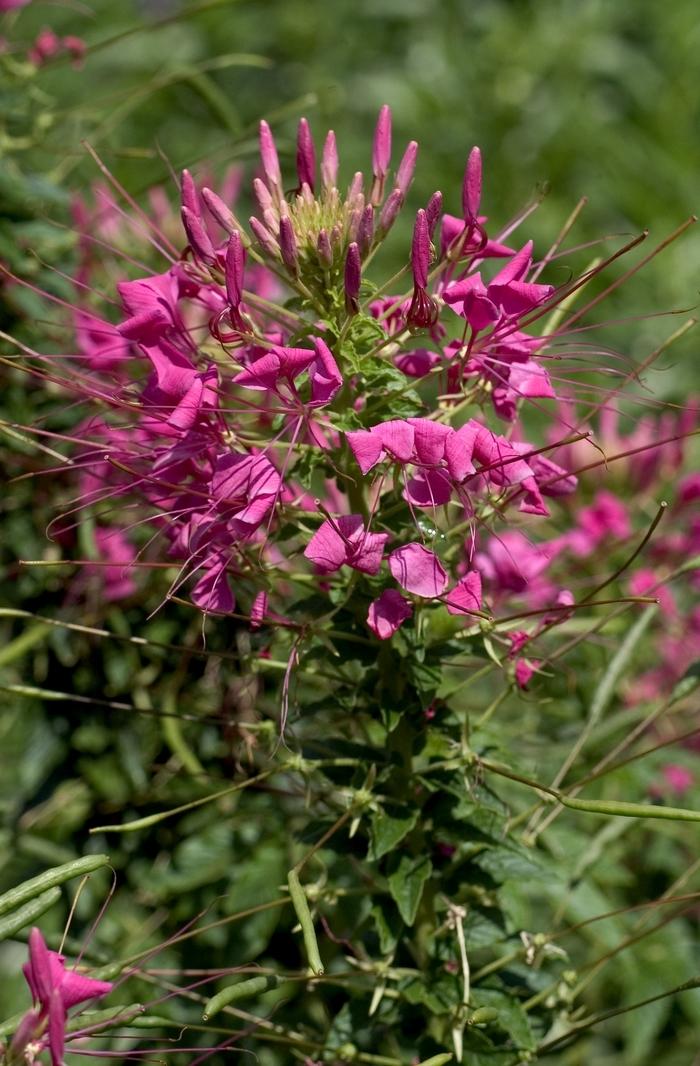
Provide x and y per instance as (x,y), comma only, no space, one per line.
(272,408)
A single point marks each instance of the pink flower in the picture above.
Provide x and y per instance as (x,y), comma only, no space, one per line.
(418,570)
(55,990)
(524,671)
(345,541)
(12,5)
(507,295)
(387,613)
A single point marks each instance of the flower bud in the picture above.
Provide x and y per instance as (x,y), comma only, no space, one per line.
(365,233)
(264,238)
(407,166)
(356,186)
(270,161)
(353,276)
(420,250)
(381,154)
(288,245)
(197,237)
(433,211)
(390,211)
(329,162)
(235,264)
(471,186)
(188,193)
(219,211)
(262,195)
(323,247)
(306,155)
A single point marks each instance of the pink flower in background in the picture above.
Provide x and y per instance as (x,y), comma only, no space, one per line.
(12,5)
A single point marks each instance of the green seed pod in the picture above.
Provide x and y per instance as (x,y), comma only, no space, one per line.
(483,1014)
(254,986)
(28,913)
(56,876)
(437,1060)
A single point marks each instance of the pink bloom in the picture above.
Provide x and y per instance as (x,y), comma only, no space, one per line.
(678,778)
(524,670)
(345,541)
(55,990)
(258,610)
(508,294)
(212,593)
(418,570)
(11,5)
(387,613)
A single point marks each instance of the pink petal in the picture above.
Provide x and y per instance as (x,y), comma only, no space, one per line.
(212,593)
(397,437)
(327,549)
(387,613)
(524,670)
(430,439)
(418,570)
(366,447)
(517,268)
(417,363)
(429,488)
(459,449)
(324,375)
(465,597)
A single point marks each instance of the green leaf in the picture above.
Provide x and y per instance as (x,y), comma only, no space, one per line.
(406,884)
(389,826)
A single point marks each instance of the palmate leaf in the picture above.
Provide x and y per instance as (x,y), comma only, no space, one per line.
(406,884)
(389,826)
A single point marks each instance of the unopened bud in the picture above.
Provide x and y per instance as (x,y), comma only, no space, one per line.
(353,277)
(306,155)
(262,195)
(354,224)
(323,247)
(381,154)
(390,211)
(235,265)
(264,238)
(288,245)
(471,186)
(356,186)
(329,162)
(219,211)
(433,211)
(270,160)
(407,166)
(197,237)
(188,193)
(365,234)
(420,250)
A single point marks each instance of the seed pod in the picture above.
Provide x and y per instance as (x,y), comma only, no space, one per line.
(254,986)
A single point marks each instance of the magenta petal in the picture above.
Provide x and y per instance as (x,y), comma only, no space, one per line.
(212,593)
(517,268)
(263,374)
(430,438)
(429,488)
(327,549)
(57,1028)
(465,597)
(77,988)
(397,436)
(324,375)
(387,613)
(417,363)
(459,449)
(418,570)
(366,447)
